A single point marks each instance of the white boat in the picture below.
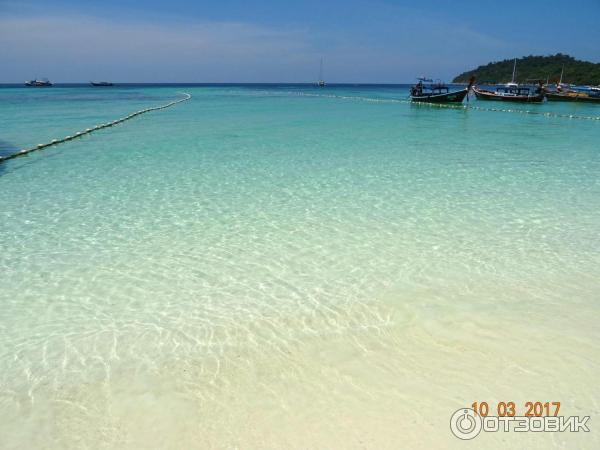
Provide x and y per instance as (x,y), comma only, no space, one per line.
(512,91)
(513,83)
(41,82)
(321,80)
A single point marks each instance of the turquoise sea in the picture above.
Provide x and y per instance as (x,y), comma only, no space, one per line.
(287,267)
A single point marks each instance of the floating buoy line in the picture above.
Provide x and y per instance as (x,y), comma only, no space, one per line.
(442,105)
(79,134)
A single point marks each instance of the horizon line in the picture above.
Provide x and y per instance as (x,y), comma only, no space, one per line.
(309,83)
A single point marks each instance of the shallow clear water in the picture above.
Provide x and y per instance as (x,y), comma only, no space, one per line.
(288,267)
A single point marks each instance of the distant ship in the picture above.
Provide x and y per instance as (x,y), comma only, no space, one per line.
(321,82)
(42,82)
(101,83)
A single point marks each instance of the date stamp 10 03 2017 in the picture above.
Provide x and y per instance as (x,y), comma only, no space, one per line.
(534,416)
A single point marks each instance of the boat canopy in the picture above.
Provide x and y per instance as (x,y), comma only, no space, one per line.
(436,88)
(514,90)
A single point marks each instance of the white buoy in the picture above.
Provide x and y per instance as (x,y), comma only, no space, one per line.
(97,127)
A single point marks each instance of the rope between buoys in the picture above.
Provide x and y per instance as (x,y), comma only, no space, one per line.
(442,105)
(53,142)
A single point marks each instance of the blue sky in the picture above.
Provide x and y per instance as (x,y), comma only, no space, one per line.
(273,41)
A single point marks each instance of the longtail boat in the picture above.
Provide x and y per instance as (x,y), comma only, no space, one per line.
(572,96)
(437,92)
(510,93)
(566,93)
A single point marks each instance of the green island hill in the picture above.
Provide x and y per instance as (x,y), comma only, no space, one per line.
(530,68)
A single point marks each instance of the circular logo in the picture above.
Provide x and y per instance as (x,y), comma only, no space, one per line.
(465,424)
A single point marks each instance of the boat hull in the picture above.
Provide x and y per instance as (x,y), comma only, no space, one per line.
(572,97)
(447,97)
(482,94)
